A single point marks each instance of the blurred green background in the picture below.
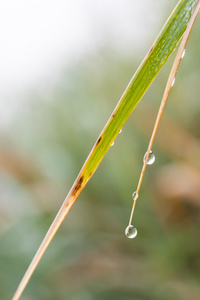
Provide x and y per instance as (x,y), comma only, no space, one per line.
(51,129)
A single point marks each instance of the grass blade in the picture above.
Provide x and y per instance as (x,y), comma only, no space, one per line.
(146,73)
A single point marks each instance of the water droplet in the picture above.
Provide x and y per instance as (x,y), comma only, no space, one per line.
(112,144)
(120,130)
(130,231)
(135,196)
(151,158)
(173,82)
(183,54)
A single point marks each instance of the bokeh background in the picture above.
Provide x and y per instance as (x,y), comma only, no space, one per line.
(64,66)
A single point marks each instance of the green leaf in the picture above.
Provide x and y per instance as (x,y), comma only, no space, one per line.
(164,45)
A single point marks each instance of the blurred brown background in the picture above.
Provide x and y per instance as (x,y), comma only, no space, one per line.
(64,67)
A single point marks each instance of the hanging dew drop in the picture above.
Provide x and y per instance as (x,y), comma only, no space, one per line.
(151,158)
(173,82)
(183,54)
(130,231)
(112,144)
(135,196)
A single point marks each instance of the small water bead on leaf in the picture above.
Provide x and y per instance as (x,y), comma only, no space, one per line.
(135,196)
(151,158)
(173,82)
(120,130)
(130,231)
(112,144)
(183,54)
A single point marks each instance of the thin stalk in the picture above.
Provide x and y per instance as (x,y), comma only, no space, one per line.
(170,83)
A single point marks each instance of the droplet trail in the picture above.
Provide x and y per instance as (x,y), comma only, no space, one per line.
(130,231)
(135,196)
(151,158)
(183,54)
(173,82)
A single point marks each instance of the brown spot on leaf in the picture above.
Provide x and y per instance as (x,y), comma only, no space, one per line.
(99,140)
(78,185)
(113,115)
(151,49)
